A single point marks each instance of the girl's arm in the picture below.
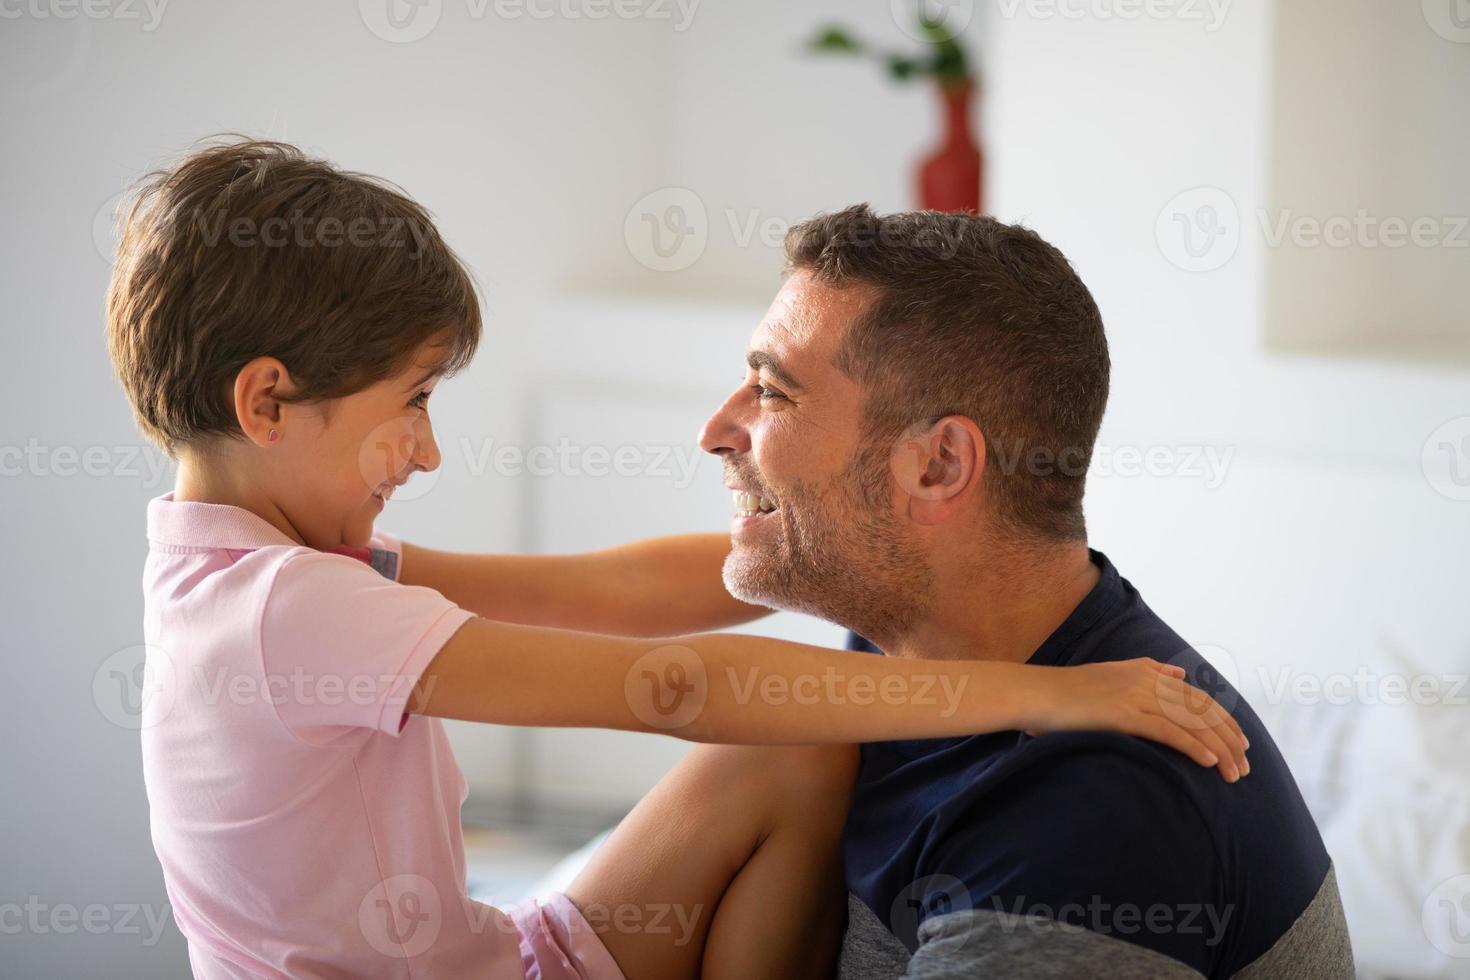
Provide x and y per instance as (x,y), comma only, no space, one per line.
(647,588)
(754,690)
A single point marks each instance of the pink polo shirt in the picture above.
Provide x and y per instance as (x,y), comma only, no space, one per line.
(307,826)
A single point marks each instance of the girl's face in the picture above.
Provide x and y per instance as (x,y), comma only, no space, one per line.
(338,463)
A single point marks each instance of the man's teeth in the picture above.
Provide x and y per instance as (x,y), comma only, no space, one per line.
(751,504)
(384,492)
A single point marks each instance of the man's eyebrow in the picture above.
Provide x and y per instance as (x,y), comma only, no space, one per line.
(758,359)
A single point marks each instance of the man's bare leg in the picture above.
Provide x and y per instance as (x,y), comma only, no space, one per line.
(738,849)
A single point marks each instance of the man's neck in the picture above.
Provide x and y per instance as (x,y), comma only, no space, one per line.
(1004,610)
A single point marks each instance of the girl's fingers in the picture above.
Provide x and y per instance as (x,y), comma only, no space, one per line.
(1245,742)
(1229,762)
(1170,689)
(1174,689)
(1187,719)
(1167,733)
(1214,728)
(1231,733)
(1207,712)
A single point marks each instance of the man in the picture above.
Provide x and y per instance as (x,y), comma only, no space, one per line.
(917,420)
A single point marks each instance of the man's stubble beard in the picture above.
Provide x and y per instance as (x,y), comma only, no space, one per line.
(840,555)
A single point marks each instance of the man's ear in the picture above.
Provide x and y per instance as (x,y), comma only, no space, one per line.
(938,466)
(259,388)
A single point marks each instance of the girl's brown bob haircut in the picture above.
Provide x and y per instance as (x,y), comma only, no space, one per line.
(249,249)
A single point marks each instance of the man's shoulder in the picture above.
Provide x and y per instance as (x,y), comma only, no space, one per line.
(1103,805)
(1109,833)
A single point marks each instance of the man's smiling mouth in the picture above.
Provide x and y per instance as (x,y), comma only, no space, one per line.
(751,504)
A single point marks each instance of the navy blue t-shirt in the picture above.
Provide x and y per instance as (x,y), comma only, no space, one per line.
(1116,834)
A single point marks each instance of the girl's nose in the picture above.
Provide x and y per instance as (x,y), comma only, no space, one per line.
(426,449)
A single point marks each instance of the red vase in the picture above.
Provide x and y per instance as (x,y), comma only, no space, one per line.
(950,177)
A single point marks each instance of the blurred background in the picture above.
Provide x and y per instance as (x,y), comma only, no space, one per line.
(1267,198)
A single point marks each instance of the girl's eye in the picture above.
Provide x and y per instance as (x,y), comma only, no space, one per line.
(765,394)
(421,400)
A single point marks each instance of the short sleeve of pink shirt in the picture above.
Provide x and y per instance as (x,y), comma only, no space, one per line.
(344,645)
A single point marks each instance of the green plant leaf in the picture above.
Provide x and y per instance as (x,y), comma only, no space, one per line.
(949,62)
(835,40)
(903,68)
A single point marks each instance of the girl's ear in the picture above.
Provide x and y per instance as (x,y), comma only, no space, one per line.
(938,467)
(260,410)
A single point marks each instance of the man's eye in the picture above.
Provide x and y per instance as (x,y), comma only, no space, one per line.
(421,400)
(764,393)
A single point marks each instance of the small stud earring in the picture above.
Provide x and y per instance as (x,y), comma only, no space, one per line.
(274,435)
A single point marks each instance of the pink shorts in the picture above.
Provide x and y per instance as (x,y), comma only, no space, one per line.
(557,943)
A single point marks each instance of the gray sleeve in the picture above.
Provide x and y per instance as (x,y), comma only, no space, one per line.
(978,944)
(869,950)
(1316,947)
(998,945)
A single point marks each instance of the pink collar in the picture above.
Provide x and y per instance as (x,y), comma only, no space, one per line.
(193,525)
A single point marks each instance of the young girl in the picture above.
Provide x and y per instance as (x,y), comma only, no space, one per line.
(277,325)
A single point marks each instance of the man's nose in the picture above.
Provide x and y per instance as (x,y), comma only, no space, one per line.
(725,432)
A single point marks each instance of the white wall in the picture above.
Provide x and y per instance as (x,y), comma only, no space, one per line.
(1360,125)
(532,140)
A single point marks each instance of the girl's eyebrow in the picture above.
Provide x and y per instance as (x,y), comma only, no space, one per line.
(432,374)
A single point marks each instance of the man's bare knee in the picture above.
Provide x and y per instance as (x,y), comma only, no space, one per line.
(785,776)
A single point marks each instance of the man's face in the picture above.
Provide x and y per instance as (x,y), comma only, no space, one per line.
(817,524)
